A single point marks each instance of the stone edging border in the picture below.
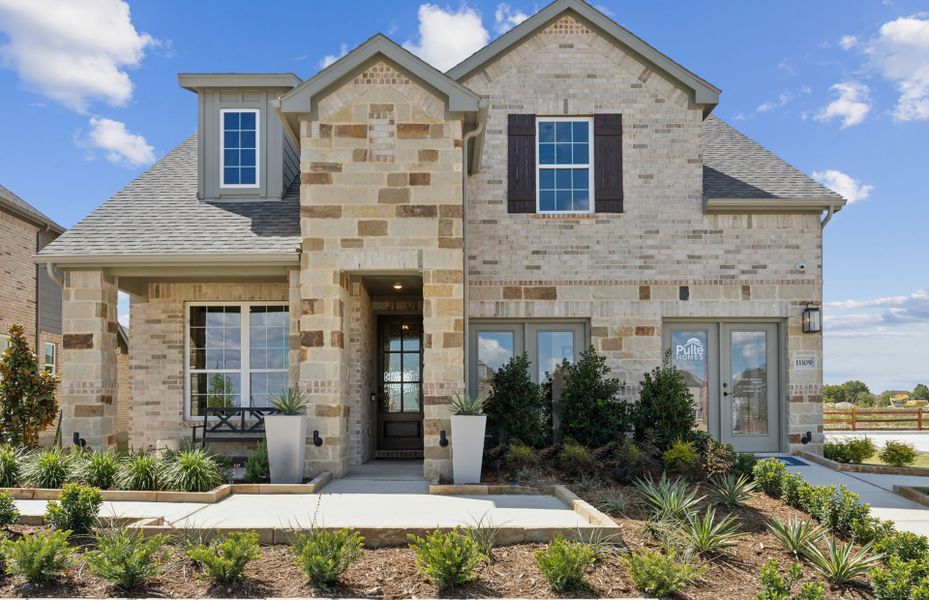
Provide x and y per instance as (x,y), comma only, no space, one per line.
(856,468)
(911,493)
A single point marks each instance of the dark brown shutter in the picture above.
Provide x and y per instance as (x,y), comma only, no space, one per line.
(608,163)
(520,172)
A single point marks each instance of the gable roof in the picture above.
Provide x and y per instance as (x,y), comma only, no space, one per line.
(702,92)
(300,99)
(12,203)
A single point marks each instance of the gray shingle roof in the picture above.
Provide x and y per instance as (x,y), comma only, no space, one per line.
(21,208)
(735,166)
(159,213)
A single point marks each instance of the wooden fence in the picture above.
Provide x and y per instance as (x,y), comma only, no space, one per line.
(874,418)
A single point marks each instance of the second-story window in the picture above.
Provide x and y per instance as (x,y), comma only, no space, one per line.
(239,153)
(564,165)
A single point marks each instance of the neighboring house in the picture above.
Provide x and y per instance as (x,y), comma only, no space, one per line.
(384,235)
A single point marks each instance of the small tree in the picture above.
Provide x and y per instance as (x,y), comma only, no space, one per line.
(591,411)
(27,394)
(665,409)
(515,409)
(921,392)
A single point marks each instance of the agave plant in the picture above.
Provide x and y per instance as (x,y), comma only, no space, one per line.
(840,564)
(707,536)
(465,405)
(668,499)
(290,402)
(732,490)
(796,535)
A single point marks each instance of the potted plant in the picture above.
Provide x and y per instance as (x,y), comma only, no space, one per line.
(468,425)
(285,435)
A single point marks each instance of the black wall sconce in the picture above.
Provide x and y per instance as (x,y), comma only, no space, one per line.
(807,437)
(443,440)
(317,441)
(812,319)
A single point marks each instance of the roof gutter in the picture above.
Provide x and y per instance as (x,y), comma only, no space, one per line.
(168,260)
(773,205)
(481,117)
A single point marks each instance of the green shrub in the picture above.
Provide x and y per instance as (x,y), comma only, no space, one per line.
(774,586)
(745,464)
(27,393)
(40,557)
(659,574)
(871,529)
(836,508)
(193,470)
(732,489)
(665,410)
(576,459)
(591,411)
(225,558)
(127,558)
(8,511)
(11,466)
(141,471)
(49,468)
(851,450)
(516,409)
(717,458)
(840,564)
(325,555)
(769,473)
(99,469)
(75,510)
(898,454)
(904,545)
(519,457)
(681,457)
(898,580)
(446,558)
(257,469)
(564,563)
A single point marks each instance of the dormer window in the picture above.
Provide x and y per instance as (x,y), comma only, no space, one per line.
(238,148)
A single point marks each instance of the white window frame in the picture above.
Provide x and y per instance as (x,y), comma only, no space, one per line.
(589,166)
(222,148)
(51,368)
(244,369)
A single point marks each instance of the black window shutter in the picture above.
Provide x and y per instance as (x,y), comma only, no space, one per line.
(608,163)
(520,176)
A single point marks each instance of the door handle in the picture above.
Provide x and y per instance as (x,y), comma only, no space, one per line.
(725,393)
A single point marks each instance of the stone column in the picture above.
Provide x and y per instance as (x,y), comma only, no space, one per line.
(88,383)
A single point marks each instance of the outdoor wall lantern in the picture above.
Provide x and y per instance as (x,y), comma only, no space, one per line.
(812,319)
(443,440)
(317,441)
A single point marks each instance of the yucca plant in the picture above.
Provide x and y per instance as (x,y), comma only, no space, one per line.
(707,536)
(49,468)
(465,405)
(796,535)
(668,498)
(291,402)
(615,504)
(193,470)
(732,490)
(99,469)
(840,564)
(11,465)
(141,471)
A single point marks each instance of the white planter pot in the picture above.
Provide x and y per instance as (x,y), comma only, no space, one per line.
(286,439)
(467,447)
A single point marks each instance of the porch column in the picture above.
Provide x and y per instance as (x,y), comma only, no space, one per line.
(88,383)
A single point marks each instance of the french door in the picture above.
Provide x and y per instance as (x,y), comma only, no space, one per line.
(733,372)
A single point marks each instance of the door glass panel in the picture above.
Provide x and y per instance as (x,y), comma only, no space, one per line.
(402,367)
(392,397)
(494,349)
(554,347)
(749,382)
(689,356)
(394,370)
(411,366)
(411,397)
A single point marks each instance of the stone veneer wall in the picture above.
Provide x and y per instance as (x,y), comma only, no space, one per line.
(381,175)
(627,273)
(362,340)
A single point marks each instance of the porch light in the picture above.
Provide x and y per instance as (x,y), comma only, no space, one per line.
(812,319)
(398,286)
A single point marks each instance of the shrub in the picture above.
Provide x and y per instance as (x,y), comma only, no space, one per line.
(769,473)
(8,511)
(774,586)
(40,557)
(446,558)
(706,536)
(99,469)
(681,457)
(11,466)
(745,464)
(717,458)
(796,535)
(519,457)
(225,558)
(564,563)
(665,409)
(127,558)
(576,459)
(731,489)
(904,545)
(325,555)
(659,574)
(900,579)
(257,468)
(193,470)
(898,454)
(141,471)
(851,450)
(76,509)
(836,508)
(840,564)
(590,409)
(796,491)
(27,393)
(870,529)
(667,498)
(516,409)
(49,468)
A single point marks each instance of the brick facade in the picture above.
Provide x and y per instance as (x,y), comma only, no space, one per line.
(18,272)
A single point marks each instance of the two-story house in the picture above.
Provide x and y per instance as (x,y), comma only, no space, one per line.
(384,235)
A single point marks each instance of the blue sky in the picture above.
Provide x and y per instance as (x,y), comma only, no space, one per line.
(89,94)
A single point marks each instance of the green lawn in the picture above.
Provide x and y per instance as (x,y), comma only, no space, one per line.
(922,460)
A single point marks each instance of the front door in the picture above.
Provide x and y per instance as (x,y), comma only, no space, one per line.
(400,367)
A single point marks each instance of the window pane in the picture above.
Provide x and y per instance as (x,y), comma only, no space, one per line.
(247,158)
(688,355)
(411,397)
(231,140)
(581,130)
(547,201)
(231,158)
(547,179)
(553,348)
(749,383)
(247,120)
(581,201)
(563,201)
(581,155)
(247,175)
(494,349)
(563,131)
(231,176)
(265,386)
(546,132)
(247,139)
(411,366)
(231,120)
(546,154)
(563,179)
(580,178)
(563,154)
(393,370)
(393,397)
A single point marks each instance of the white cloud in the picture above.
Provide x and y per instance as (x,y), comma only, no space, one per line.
(782,99)
(852,104)
(900,53)
(72,51)
(118,145)
(446,36)
(506,18)
(331,58)
(846,186)
(848,42)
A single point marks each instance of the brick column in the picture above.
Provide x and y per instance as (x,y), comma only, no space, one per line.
(88,385)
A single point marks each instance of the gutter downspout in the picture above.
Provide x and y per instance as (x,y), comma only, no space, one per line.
(50,269)
(829,212)
(482,115)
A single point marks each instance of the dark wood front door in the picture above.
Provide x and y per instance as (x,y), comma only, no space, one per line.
(400,396)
